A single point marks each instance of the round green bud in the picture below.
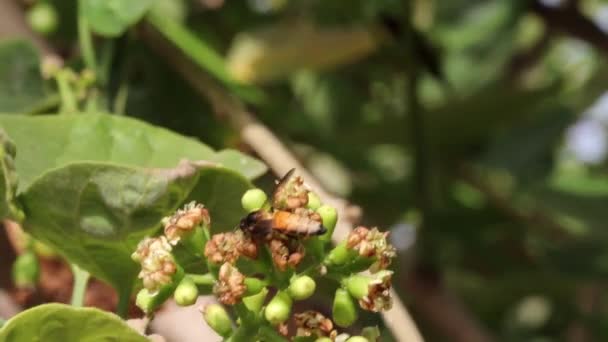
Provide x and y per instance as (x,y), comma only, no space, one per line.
(254,285)
(42,18)
(302,287)
(323,339)
(186,292)
(314,202)
(253,199)
(217,318)
(255,302)
(279,308)
(344,310)
(357,339)
(26,270)
(340,254)
(145,301)
(357,285)
(329,215)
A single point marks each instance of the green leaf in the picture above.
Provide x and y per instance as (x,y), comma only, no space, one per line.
(116,178)
(249,167)
(21,84)
(113,17)
(48,142)
(95,214)
(8,176)
(60,322)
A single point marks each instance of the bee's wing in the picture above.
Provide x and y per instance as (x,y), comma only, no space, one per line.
(281,183)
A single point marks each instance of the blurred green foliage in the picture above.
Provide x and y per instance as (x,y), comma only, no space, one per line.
(516,186)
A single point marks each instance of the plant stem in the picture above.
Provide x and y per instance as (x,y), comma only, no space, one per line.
(86,44)
(69,104)
(202,279)
(124,297)
(268,334)
(81,279)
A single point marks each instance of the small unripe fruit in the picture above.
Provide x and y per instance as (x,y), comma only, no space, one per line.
(145,301)
(26,270)
(323,339)
(302,287)
(255,302)
(42,18)
(329,215)
(278,309)
(357,285)
(186,292)
(314,202)
(217,318)
(344,310)
(254,285)
(357,339)
(340,254)
(253,199)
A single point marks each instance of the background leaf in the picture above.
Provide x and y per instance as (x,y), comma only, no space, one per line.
(111,18)
(61,323)
(21,85)
(47,142)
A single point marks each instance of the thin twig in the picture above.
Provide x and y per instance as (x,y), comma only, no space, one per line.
(276,155)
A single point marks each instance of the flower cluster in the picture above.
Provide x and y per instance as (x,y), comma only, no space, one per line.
(372,243)
(157,263)
(280,247)
(184,221)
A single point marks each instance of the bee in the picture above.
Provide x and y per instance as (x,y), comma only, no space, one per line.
(296,222)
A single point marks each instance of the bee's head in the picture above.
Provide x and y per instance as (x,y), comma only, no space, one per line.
(249,221)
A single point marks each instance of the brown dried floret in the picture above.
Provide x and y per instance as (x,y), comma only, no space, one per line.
(230,286)
(379,294)
(185,220)
(313,323)
(285,251)
(290,194)
(372,243)
(228,247)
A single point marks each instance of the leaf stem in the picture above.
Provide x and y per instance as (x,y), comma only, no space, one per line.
(124,298)
(86,43)
(202,279)
(69,104)
(81,279)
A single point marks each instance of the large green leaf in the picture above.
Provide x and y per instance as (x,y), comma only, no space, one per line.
(47,142)
(21,84)
(8,177)
(113,17)
(94,185)
(95,213)
(63,323)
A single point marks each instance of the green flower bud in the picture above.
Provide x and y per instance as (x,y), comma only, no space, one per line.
(26,270)
(323,339)
(314,202)
(302,287)
(145,300)
(357,285)
(217,318)
(253,199)
(357,339)
(254,285)
(329,215)
(255,302)
(344,310)
(340,255)
(278,309)
(42,18)
(186,292)
(371,333)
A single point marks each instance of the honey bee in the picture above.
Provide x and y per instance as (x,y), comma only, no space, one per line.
(298,221)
